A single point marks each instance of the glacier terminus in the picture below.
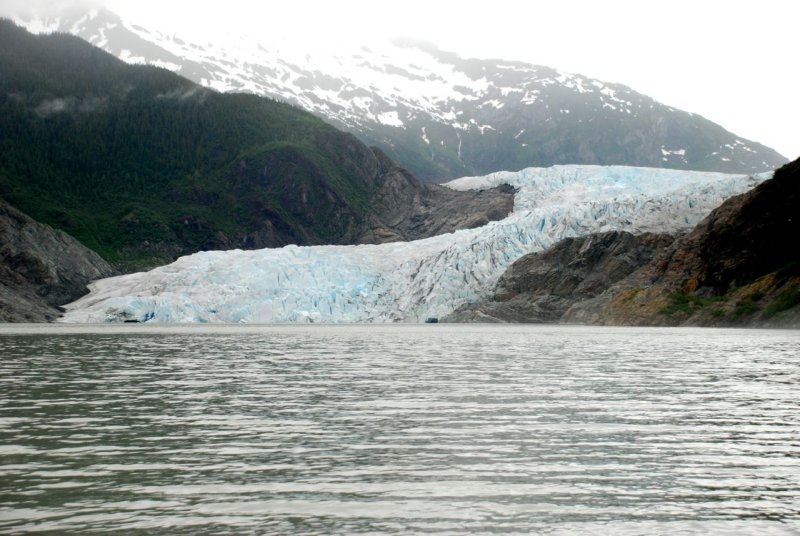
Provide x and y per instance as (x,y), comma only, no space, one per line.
(410,281)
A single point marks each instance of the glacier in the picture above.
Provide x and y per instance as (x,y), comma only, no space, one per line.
(410,281)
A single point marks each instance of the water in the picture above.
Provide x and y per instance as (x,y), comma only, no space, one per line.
(399,429)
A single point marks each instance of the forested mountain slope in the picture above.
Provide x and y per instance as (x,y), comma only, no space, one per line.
(142,165)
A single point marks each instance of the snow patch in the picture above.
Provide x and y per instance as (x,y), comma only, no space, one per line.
(530,97)
(128,57)
(506,91)
(679,152)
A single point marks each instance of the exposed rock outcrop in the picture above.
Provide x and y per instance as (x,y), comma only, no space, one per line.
(542,286)
(739,266)
(41,268)
(408,209)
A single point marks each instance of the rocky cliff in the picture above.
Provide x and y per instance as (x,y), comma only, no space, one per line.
(41,268)
(739,267)
(542,286)
(408,209)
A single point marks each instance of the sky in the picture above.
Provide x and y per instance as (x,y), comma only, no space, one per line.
(733,62)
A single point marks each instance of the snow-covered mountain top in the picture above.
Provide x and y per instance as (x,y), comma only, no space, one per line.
(409,281)
(400,69)
(339,79)
(438,114)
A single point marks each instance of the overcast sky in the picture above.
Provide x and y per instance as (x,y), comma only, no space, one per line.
(733,62)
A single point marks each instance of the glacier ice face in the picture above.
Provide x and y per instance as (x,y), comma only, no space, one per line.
(410,281)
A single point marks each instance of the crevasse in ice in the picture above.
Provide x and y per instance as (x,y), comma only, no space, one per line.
(410,281)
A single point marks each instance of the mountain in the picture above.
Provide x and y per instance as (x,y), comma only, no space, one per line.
(738,267)
(439,115)
(410,281)
(41,268)
(142,165)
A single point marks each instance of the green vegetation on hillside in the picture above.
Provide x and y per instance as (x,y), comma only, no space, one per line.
(142,165)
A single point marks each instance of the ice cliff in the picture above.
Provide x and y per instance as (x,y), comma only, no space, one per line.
(410,281)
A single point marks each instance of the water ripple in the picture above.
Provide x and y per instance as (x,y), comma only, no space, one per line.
(398,429)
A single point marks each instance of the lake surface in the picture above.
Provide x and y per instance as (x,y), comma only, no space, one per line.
(398,429)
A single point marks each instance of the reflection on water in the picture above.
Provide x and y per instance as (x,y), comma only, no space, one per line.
(381,429)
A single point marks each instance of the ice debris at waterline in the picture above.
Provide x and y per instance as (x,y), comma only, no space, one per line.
(410,281)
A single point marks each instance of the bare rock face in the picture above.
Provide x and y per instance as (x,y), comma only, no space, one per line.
(738,267)
(410,210)
(41,268)
(542,286)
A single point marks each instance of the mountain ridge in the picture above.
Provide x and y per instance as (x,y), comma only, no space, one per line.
(442,116)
